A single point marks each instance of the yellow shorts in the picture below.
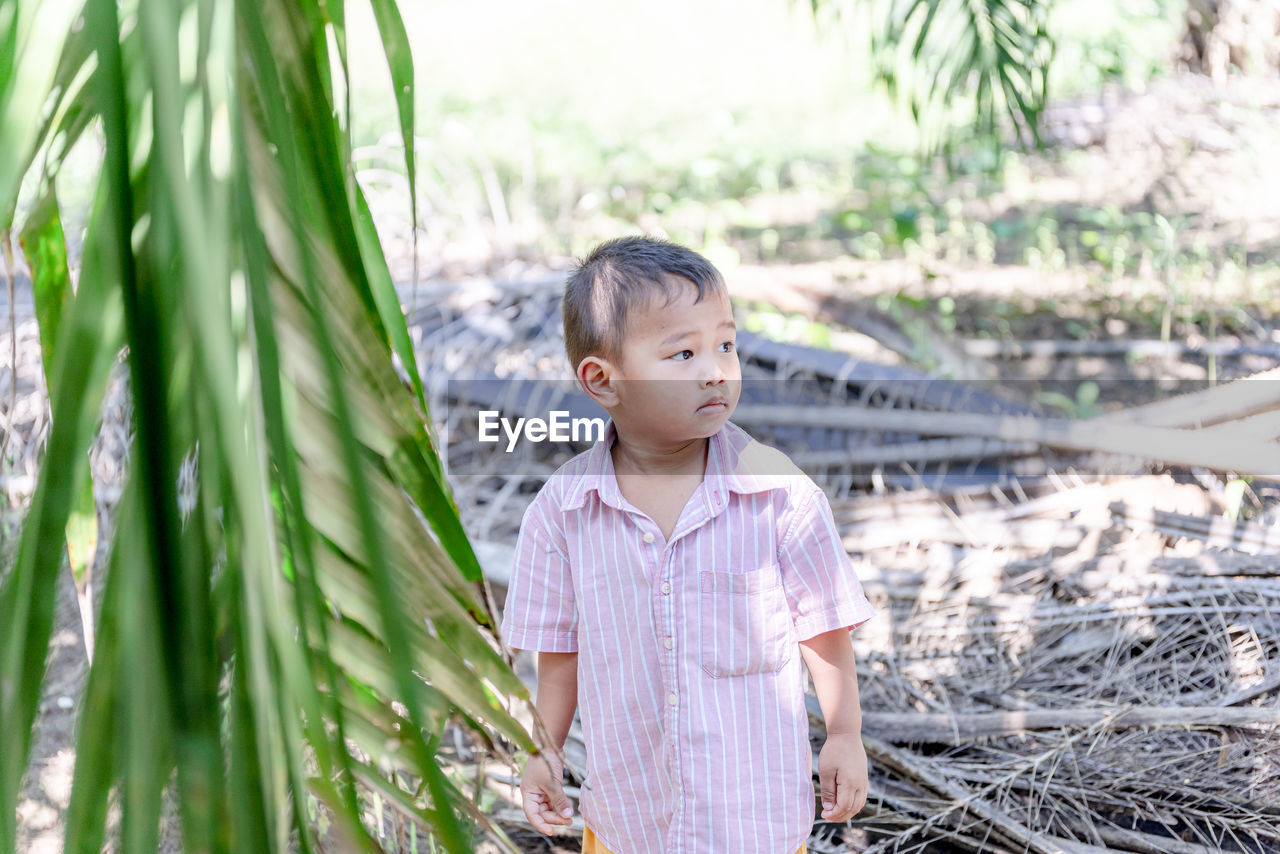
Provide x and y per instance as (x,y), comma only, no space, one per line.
(592,845)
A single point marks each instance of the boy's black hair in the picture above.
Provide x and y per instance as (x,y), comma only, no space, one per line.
(618,275)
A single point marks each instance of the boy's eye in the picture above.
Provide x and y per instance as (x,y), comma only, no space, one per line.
(730,345)
(683,355)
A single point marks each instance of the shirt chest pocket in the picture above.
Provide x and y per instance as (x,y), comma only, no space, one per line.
(744,624)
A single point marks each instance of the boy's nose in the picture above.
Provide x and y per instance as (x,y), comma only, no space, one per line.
(714,377)
(715,372)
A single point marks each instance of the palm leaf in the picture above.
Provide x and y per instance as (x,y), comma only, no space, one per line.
(89,336)
(43,242)
(32,36)
(933,53)
(308,586)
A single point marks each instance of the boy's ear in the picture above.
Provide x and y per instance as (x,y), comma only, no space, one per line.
(596,376)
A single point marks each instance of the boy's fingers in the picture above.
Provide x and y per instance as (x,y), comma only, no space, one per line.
(531,809)
(546,809)
(534,815)
(562,806)
(551,816)
(540,823)
(845,795)
(535,809)
(546,806)
(846,801)
(835,804)
(859,799)
(827,785)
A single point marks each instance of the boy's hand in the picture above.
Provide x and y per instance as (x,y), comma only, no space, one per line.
(842,776)
(545,803)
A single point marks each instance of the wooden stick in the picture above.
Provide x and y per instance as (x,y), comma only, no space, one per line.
(1209,565)
(1239,399)
(900,762)
(943,728)
(1245,694)
(1149,489)
(1119,838)
(990,348)
(1175,447)
(1216,531)
(1078,847)
(1028,533)
(914,452)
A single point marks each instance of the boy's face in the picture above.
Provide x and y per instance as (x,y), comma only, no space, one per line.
(678,376)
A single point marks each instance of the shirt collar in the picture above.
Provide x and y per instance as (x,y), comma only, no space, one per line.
(725,464)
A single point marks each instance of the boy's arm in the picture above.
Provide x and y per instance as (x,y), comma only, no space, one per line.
(557,697)
(829,657)
(541,783)
(842,763)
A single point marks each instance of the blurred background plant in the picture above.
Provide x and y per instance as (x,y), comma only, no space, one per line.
(769,136)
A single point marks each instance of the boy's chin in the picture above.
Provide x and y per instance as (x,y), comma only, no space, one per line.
(700,425)
(709,423)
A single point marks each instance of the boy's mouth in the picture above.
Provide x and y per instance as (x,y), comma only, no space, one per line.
(717,405)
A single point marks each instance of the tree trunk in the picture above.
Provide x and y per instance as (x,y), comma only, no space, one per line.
(1222,34)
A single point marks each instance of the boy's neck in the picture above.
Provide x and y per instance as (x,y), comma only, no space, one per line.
(636,457)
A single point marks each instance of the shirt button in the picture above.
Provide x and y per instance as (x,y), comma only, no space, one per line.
(666,588)
(670,643)
(648,537)
(671,698)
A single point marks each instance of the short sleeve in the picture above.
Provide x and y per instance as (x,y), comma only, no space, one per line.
(822,589)
(539,613)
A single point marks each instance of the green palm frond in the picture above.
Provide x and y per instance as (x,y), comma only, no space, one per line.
(307,615)
(946,58)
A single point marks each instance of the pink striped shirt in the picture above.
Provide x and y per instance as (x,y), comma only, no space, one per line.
(690,687)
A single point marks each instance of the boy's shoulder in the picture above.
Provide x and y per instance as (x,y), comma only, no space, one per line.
(755,458)
(565,479)
(567,486)
(757,467)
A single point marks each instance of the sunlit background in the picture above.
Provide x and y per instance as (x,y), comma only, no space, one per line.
(755,131)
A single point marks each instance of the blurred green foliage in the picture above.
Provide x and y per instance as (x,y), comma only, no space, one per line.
(763,138)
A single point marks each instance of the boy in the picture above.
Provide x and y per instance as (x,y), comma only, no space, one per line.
(667,576)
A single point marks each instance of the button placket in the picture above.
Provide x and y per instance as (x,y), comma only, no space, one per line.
(669,640)
(670,665)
